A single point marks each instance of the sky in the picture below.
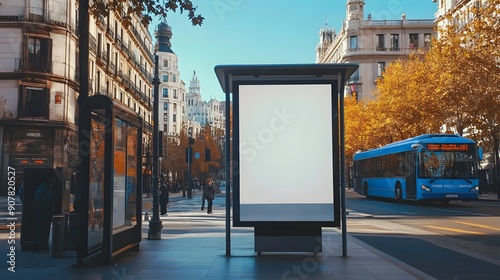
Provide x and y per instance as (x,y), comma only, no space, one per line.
(239,32)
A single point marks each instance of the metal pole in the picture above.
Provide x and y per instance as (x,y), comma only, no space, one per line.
(82,186)
(154,232)
(227,160)
(342,165)
(190,152)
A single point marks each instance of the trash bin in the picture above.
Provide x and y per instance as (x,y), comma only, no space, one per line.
(58,233)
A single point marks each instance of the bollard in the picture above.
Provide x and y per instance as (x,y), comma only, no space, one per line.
(58,230)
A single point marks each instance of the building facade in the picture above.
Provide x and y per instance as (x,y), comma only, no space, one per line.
(203,112)
(39,79)
(172,89)
(372,44)
(460,10)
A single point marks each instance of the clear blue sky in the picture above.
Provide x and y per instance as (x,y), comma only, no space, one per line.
(265,32)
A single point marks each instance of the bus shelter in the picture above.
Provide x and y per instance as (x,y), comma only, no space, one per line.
(287,151)
(110,216)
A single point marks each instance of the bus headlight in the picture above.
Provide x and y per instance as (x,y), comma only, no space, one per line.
(474,189)
(425,188)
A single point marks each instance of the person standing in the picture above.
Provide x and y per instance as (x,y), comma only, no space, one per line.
(209,194)
(163,198)
(43,207)
(203,195)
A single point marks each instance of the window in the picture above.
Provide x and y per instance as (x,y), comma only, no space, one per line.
(413,41)
(164,78)
(165,127)
(175,107)
(380,42)
(427,40)
(353,43)
(380,68)
(174,117)
(165,92)
(394,42)
(34,102)
(39,55)
(174,78)
(165,63)
(165,117)
(175,93)
(165,105)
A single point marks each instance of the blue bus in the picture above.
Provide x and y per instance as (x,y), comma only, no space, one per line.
(436,167)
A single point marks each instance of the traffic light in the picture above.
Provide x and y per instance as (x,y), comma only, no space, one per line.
(207,154)
(160,143)
(189,154)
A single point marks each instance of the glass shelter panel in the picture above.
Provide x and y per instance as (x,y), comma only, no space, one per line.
(96,183)
(131,188)
(119,177)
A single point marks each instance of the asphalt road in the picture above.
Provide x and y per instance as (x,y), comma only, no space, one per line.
(456,241)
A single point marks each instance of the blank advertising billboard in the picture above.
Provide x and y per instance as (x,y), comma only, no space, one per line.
(284,150)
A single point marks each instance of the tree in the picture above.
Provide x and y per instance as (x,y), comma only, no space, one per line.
(407,102)
(354,127)
(205,140)
(144,9)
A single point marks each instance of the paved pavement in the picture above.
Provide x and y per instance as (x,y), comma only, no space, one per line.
(192,246)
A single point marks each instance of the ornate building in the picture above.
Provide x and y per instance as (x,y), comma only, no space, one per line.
(172,89)
(39,79)
(203,112)
(372,44)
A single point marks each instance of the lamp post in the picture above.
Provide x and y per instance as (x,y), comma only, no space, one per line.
(189,159)
(154,232)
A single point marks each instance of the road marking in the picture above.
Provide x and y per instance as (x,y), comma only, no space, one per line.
(456,230)
(478,225)
(461,212)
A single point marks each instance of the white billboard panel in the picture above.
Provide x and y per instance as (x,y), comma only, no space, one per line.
(285,153)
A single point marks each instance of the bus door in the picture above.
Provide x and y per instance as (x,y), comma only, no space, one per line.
(356,176)
(411,179)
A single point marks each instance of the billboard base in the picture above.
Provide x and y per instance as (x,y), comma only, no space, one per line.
(288,239)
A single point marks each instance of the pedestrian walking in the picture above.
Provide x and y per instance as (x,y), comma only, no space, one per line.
(209,194)
(43,207)
(163,198)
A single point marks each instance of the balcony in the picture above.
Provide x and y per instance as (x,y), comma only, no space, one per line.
(110,32)
(147,126)
(33,65)
(102,58)
(92,44)
(112,68)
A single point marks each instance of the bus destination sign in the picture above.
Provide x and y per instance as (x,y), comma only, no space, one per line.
(448,147)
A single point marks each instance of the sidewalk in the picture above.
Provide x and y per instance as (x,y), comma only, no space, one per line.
(193,247)
(489,196)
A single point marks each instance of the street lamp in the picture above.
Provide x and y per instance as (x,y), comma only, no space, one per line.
(189,159)
(154,232)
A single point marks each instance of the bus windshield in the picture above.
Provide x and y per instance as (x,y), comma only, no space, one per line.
(444,164)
